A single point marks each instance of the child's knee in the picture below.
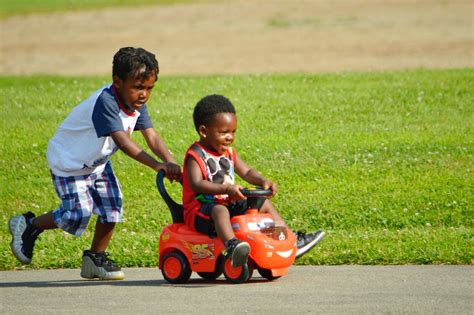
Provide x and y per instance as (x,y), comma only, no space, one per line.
(267,207)
(219,211)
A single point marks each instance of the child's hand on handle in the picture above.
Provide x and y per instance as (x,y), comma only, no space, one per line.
(268,184)
(172,171)
(234,192)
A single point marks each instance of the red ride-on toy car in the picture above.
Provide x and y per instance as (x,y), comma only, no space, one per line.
(182,250)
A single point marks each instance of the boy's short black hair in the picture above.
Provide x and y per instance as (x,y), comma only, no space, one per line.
(134,62)
(208,107)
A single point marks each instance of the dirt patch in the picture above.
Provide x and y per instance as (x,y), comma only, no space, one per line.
(247,37)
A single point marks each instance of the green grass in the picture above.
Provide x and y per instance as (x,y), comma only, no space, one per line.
(381,161)
(21,7)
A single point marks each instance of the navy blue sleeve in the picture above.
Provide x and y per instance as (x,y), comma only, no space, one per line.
(143,121)
(105,115)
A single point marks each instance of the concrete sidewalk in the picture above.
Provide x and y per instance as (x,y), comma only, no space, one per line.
(306,289)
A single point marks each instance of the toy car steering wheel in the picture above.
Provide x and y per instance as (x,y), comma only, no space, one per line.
(256,192)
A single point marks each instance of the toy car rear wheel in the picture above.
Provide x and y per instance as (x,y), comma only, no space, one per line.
(267,273)
(239,274)
(175,268)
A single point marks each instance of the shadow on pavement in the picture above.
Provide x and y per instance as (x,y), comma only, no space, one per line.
(193,283)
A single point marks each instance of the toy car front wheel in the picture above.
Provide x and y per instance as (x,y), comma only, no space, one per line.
(175,268)
(239,274)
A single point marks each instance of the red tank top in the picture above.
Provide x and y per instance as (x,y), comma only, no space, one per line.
(215,168)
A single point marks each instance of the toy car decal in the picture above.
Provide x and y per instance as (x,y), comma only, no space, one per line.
(165,237)
(188,246)
(285,254)
(281,236)
(264,223)
(253,226)
(200,251)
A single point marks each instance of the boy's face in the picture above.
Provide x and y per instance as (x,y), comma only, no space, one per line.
(219,134)
(134,91)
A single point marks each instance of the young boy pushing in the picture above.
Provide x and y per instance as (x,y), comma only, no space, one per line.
(78,156)
(210,195)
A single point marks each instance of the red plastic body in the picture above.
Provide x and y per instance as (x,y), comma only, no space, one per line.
(272,248)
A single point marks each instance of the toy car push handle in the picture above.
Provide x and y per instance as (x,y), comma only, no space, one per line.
(177,211)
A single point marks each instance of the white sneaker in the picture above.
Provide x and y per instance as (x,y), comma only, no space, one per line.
(98,265)
(24,236)
(306,241)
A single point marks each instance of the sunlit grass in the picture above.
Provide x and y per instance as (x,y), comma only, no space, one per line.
(22,7)
(381,161)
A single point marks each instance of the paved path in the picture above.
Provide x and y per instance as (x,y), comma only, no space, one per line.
(306,289)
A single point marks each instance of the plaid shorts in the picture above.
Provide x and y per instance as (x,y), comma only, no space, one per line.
(81,196)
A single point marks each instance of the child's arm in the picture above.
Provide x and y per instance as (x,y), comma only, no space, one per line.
(124,143)
(200,185)
(158,146)
(253,177)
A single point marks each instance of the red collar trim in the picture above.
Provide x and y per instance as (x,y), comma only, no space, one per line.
(122,107)
(212,152)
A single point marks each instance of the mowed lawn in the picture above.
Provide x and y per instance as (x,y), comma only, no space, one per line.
(383,162)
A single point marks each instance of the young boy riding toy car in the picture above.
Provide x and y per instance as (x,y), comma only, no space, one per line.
(213,203)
